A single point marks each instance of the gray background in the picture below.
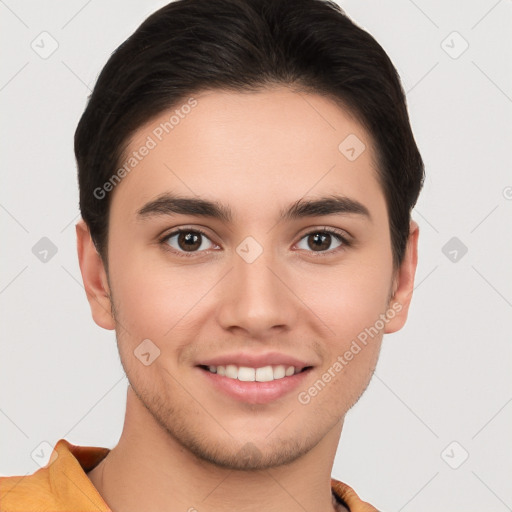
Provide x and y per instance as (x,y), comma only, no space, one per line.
(442,389)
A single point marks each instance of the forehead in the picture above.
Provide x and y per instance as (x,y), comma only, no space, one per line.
(245,148)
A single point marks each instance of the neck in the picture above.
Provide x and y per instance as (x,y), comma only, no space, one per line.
(149,469)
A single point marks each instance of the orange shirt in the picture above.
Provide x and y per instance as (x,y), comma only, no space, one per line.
(63,486)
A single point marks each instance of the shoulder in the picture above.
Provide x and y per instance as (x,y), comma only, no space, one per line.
(348,497)
(25,492)
(60,486)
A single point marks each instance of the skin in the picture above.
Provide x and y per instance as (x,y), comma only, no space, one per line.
(182,439)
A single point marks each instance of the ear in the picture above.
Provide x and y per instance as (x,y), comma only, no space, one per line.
(94,278)
(403,285)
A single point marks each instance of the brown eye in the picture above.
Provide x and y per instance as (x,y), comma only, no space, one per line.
(321,241)
(187,241)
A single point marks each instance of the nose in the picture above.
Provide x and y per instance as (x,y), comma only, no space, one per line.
(258,298)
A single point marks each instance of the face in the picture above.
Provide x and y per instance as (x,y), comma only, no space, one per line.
(222,269)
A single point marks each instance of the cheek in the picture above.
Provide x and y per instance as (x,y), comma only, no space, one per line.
(352,346)
(144,297)
(347,298)
(157,300)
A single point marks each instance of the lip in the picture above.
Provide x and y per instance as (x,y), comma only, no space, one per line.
(253,360)
(254,392)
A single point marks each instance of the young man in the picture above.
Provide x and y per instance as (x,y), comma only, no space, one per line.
(247,172)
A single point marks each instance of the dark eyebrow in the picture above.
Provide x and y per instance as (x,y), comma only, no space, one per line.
(169,204)
(330,205)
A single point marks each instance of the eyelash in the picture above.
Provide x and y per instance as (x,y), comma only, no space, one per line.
(344,241)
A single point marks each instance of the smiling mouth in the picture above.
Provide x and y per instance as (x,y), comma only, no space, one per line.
(247,374)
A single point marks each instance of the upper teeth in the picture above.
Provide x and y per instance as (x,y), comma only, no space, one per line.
(264,374)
